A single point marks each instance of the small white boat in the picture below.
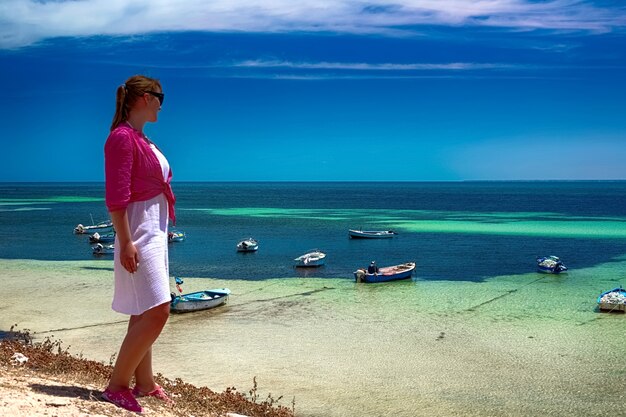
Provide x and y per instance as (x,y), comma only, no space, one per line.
(311,259)
(371,234)
(105,238)
(550,265)
(175,236)
(199,300)
(248,245)
(100,249)
(100,227)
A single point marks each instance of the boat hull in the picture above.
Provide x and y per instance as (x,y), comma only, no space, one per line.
(98,238)
(198,301)
(613,300)
(248,245)
(550,265)
(370,234)
(310,260)
(392,273)
(100,249)
(103,227)
(175,237)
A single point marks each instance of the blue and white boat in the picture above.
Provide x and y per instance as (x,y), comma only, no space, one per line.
(175,236)
(389,273)
(100,249)
(105,238)
(312,258)
(247,245)
(550,265)
(199,300)
(371,234)
(613,300)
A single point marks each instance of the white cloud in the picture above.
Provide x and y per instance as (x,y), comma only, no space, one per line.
(360,66)
(23,22)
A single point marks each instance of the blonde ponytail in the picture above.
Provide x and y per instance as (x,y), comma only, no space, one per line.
(128,93)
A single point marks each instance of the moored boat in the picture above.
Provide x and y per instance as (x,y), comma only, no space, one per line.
(311,259)
(371,234)
(385,274)
(613,300)
(100,227)
(175,236)
(247,245)
(550,265)
(100,249)
(199,300)
(105,238)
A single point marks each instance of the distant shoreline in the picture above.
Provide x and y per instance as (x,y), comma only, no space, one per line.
(521,181)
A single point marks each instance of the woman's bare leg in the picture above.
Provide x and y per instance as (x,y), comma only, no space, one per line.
(135,356)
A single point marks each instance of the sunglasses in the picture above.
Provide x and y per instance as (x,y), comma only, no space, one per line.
(160,96)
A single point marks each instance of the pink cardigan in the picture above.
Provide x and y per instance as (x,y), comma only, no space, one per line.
(132,171)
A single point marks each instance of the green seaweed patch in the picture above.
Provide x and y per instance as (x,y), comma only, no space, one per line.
(545,224)
(546,228)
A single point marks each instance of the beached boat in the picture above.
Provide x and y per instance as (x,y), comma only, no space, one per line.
(100,227)
(105,238)
(311,259)
(371,234)
(550,265)
(247,245)
(175,236)
(100,249)
(613,300)
(389,273)
(199,300)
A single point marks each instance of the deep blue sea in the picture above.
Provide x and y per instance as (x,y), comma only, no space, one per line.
(453,230)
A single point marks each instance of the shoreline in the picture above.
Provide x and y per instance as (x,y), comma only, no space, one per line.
(37,379)
(521,345)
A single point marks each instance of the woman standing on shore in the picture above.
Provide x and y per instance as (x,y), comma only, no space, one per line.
(140,200)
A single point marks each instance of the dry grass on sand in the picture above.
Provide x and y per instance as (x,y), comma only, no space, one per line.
(54,383)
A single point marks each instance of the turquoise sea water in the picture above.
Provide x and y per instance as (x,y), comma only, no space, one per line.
(476,332)
(453,231)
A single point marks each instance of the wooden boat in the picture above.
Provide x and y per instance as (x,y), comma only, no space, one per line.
(550,265)
(101,249)
(371,234)
(613,300)
(105,238)
(175,236)
(389,273)
(199,300)
(100,227)
(247,245)
(311,259)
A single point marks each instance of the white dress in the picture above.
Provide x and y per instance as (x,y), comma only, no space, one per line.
(149,286)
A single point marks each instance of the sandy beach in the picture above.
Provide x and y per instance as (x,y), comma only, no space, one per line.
(529,345)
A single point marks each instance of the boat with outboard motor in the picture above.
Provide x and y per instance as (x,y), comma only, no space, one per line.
(385,274)
(197,301)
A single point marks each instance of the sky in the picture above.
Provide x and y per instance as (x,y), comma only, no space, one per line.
(342,90)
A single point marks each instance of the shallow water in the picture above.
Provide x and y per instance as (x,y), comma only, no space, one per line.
(521,345)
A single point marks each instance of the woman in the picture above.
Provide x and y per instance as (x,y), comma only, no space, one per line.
(140,200)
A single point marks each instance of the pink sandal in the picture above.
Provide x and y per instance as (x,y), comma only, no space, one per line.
(123,399)
(157,392)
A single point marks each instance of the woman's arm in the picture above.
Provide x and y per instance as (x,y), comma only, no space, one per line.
(128,252)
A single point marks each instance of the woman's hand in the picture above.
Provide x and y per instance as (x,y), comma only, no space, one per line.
(128,257)
(128,252)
